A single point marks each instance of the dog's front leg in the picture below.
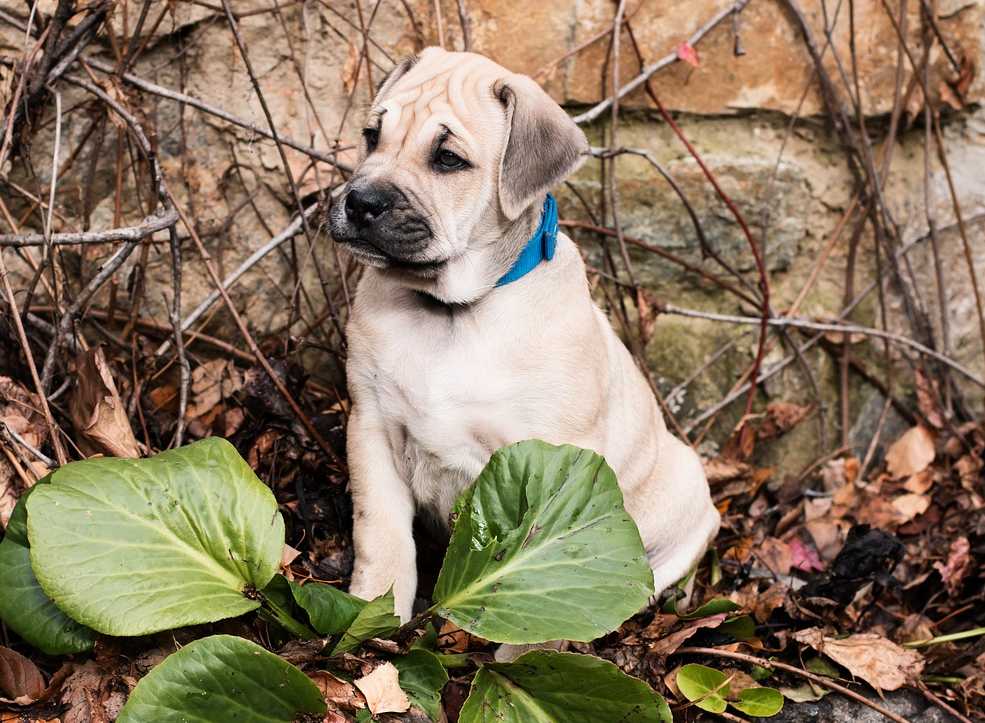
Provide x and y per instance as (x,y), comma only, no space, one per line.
(383,517)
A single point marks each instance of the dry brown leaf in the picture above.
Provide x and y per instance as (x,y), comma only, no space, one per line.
(879,662)
(776,555)
(828,537)
(781,417)
(666,646)
(382,690)
(927,394)
(724,470)
(97,412)
(84,693)
(911,453)
(20,680)
(20,413)
(920,483)
(212,382)
(645,306)
(908,506)
(958,565)
(760,604)
(288,555)
(338,692)
(351,68)
(452,639)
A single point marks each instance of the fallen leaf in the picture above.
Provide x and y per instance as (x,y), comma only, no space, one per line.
(288,555)
(97,412)
(927,394)
(666,646)
(351,68)
(686,52)
(837,473)
(776,555)
(804,557)
(647,315)
(20,680)
(879,662)
(211,383)
(452,639)
(911,453)
(382,690)
(828,537)
(761,604)
(84,693)
(724,470)
(920,483)
(910,505)
(781,417)
(958,565)
(19,412)
(338,692)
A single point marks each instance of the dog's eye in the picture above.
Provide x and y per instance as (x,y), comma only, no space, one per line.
(448,161)
(372,136)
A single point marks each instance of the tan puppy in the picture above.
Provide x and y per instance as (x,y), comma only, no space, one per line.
(444,367)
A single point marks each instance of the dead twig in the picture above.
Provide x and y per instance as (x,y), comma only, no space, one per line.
(293,229)
(797,323)
(648,71)
(147,227)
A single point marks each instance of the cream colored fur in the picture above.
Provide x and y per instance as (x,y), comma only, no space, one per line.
(436,387)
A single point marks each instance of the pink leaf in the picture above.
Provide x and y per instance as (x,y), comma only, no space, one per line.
(687,53)
(804,557)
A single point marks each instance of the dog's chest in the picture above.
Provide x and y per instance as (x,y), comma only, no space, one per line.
(447,401)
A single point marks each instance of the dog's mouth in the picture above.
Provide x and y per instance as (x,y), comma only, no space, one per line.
(366,252)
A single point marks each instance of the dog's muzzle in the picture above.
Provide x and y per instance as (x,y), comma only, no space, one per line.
(382,228)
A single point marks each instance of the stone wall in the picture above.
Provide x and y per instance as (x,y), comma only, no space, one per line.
(738,110)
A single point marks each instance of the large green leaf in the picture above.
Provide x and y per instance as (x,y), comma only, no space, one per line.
(374,620)
(130,547)
(422,676)
(543,687)
(329,609)
(23,605)
(222,678)
(543,549)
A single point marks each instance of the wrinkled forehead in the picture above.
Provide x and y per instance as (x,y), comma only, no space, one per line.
(442,90)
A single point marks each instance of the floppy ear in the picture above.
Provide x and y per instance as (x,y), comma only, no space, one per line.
(393,76)
(543,144)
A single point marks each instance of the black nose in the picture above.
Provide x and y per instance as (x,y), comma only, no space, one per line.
(365,205)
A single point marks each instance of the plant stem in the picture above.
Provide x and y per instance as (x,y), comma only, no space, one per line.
(273,612)
(973,633)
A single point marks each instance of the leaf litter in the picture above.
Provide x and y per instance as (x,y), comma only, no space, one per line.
(835,571)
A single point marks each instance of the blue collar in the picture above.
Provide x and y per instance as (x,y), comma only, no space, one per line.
(539,248)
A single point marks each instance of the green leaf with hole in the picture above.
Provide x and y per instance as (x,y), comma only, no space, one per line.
(422,676)
(544,686)
(223,678)
(23,605)
(706,687)
(329,609)
(130,547)
(543,549)
(374,620)
(759,702)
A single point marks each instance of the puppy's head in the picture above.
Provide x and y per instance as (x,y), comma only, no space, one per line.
(458,153)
